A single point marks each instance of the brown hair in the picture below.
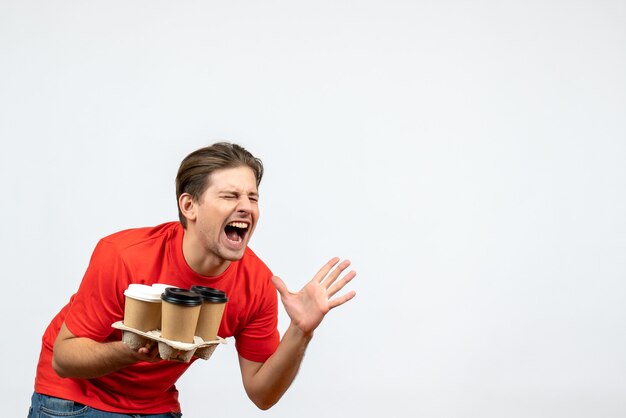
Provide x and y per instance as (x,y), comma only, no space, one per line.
(195,169)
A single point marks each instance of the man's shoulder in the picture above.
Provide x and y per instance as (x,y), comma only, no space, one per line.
(132,237)
(251,260)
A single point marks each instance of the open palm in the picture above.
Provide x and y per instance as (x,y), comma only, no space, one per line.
(308,307)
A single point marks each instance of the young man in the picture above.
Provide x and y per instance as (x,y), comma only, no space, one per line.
(85,367)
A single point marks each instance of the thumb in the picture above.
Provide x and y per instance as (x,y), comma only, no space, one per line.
(280,285)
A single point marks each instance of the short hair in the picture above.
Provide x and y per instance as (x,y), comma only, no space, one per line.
(195,169)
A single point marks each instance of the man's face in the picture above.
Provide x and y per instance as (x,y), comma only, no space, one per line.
(227,213)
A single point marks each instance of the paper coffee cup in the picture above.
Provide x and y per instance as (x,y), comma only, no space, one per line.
(142,308)
(213,304)
(180,311)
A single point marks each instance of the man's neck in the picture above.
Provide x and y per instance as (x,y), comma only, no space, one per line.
(198,260)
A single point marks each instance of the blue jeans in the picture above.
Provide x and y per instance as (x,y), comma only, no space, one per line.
(44,406)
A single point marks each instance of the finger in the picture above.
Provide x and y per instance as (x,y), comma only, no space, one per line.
(144,353)
(145,349)
(149,353)
(155,355)
(280,285)
(328,281)
(341,283)
(325,269)
(341,300)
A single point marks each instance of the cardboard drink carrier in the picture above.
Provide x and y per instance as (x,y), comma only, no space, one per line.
(177,314)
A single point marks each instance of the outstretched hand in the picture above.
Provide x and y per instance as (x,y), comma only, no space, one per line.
(308,307)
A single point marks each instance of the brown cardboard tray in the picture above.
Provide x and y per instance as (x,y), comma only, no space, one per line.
(168,349)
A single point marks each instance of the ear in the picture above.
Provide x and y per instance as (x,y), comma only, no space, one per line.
(187,207)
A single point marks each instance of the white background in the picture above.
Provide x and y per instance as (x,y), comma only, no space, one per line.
(468,157)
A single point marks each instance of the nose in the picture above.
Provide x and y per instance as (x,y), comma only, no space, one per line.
(244,205)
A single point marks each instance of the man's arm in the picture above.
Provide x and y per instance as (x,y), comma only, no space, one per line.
(266,382)
(85,358)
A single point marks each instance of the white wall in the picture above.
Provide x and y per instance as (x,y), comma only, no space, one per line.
(469,157)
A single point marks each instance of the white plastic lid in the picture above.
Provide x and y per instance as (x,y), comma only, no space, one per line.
(143,292)
(160,287)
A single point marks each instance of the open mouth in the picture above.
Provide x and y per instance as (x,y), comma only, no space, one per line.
(236,231)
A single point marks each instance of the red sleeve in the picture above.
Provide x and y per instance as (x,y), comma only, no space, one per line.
(259,339)
(99,301)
